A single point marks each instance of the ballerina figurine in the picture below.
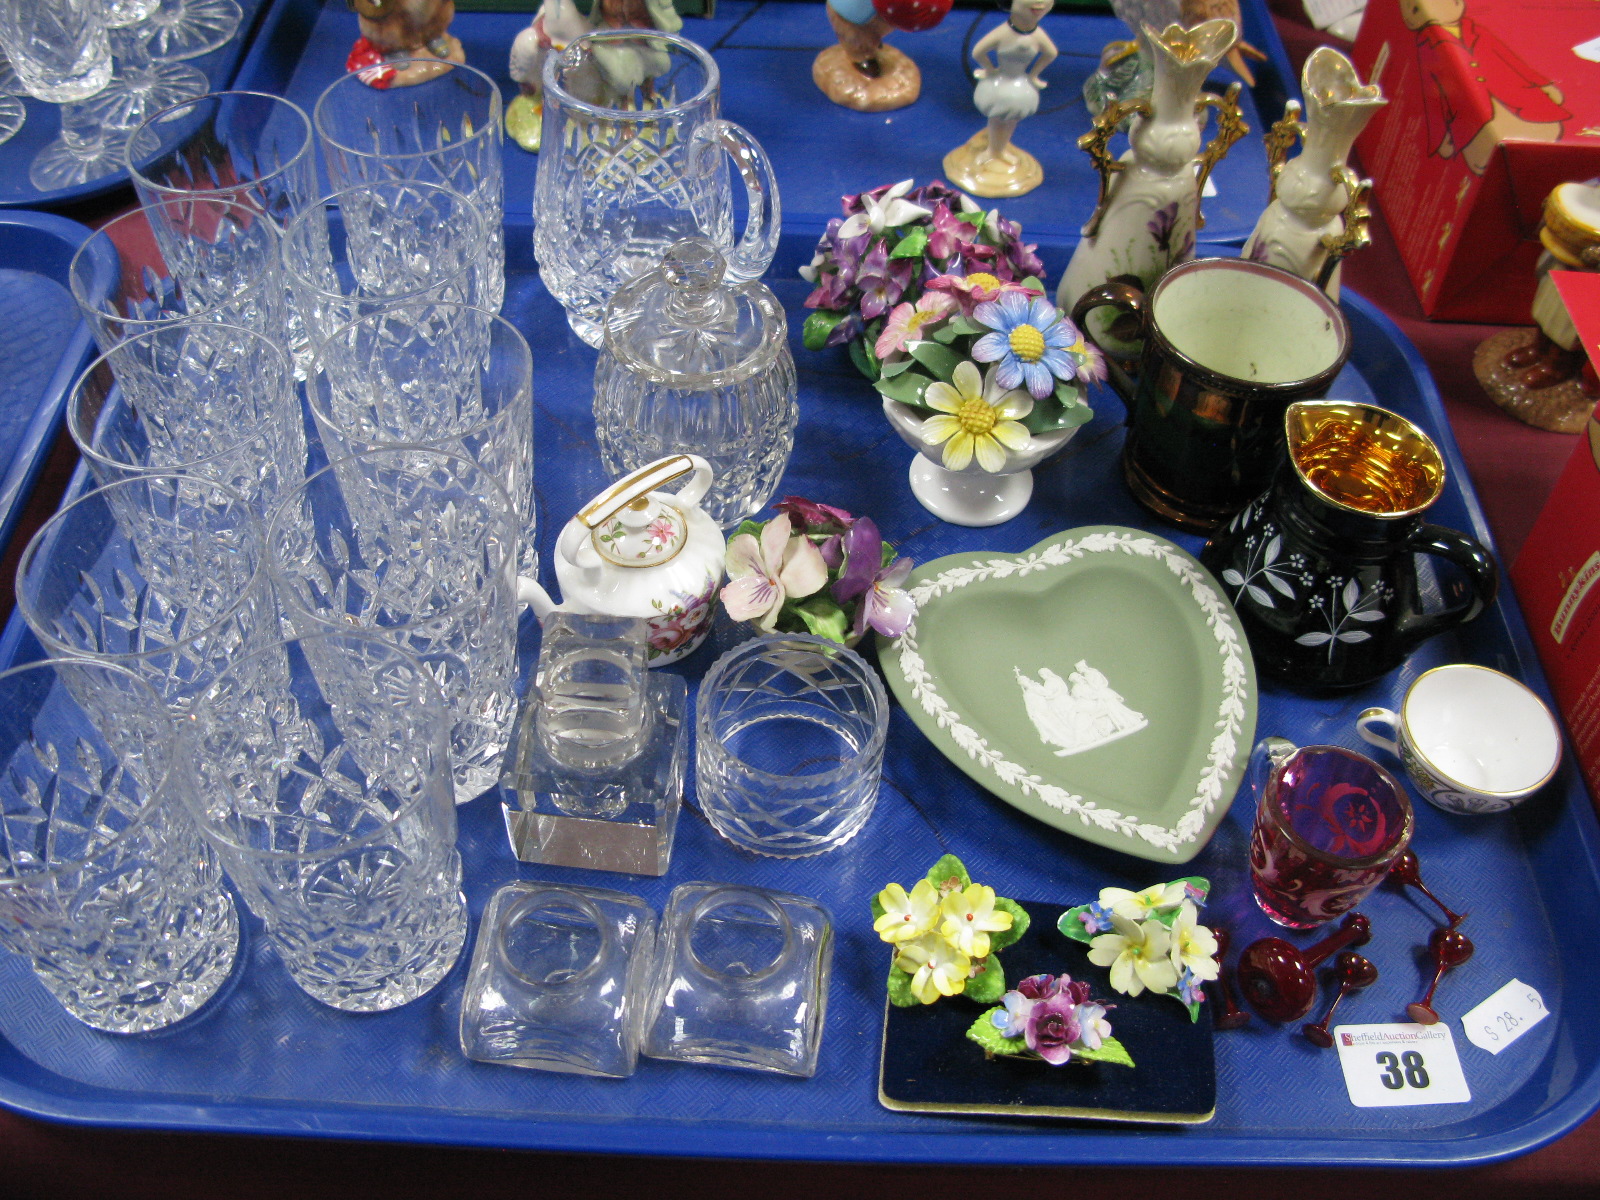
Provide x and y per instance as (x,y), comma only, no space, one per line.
(988,164)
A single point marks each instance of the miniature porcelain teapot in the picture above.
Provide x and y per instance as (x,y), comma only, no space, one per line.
(636,551)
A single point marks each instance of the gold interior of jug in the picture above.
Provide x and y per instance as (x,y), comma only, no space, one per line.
(1363,458)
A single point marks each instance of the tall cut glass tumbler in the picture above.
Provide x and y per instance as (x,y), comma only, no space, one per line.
(105,884)
(413,545)
(448,376)
(789,739)
(197,256)
(159,574)
(329,800)
(447,130)
(195,396)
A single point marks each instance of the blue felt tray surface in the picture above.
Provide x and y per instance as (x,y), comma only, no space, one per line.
(44,123)
(266,1058)
(43,343)
(764,49)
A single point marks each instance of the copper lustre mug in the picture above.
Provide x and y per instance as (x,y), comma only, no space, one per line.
(1228,345)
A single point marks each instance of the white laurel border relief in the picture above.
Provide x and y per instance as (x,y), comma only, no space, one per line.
(1230,712)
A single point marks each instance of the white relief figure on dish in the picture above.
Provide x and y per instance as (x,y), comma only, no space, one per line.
(1008,90)
(1077,713)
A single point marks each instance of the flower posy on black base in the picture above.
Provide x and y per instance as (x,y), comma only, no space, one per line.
(947,932)
(1152,940)
(1050,1018)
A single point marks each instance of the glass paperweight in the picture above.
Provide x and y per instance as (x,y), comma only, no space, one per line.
(741,980)
(595,773)
(557,980)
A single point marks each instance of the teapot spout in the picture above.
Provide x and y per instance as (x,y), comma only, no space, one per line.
(535,597)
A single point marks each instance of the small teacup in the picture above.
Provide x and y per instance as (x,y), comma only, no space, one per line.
(1472,739)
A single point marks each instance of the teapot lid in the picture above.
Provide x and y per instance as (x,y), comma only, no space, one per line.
(641,529)
(685,325)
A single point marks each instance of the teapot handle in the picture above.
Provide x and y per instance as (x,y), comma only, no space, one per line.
(1476,563)
(575,546)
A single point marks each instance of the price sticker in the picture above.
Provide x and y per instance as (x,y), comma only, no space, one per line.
(1504,1017)
(1386,1066)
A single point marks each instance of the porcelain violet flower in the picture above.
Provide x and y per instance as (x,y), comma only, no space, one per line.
(907,323)
(1030,343)
(1012,1019)
(976,417)
(885,606)
(882,210)
(975,288)
(1137,955)
(882,281)
(1092,1025)
(763,574)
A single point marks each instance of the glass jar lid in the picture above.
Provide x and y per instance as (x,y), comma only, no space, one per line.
(686,326)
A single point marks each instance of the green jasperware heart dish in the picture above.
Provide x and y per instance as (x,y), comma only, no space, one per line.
(1098,682)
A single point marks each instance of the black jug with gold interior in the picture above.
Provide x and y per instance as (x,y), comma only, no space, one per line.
(1322,567)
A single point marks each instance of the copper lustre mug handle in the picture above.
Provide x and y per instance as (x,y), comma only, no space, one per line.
(1126,298)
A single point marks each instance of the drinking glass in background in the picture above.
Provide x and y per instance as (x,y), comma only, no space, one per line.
(445,131)
(634,159)
(789,739)
(105,884)
(375,245)
(58,48)
(250,149)
(414,545)
(159,574)
(189,28)
(197,256)
(448,376)
(119,13)
(193,396)
(1329,825)
(328,798)
(13,112)
(140,84)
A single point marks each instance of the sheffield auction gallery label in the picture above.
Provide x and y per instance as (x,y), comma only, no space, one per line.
(1386,1066)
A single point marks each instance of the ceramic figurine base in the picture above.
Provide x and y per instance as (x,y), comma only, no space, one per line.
(974,499)
(622,819)
(898,84)
(1562,407)
(525,121)
(1013,174)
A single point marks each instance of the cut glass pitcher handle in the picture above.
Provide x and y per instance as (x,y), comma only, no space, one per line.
(753,253)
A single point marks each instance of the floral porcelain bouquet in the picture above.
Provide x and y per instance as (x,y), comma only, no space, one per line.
(1152,939)
(885,248)
(986,364)
(816,569)
(1053,1018)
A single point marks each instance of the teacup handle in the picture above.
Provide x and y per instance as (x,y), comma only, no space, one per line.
(1476,563)
(1127,298)
(1366,728)
(759,243)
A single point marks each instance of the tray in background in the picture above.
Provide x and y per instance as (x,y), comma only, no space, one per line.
(44,122)
(43,344)
(764,49)
(267,1059)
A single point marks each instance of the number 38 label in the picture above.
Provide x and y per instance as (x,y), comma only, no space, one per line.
(1390,1065)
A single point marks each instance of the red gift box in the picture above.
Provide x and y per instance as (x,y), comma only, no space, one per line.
(1490,106)
(1557,574)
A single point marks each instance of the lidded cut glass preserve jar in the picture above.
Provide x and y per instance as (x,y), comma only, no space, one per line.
(696,364)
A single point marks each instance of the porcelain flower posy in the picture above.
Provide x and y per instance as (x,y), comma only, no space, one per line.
(1050,1018)
(946,932)
(1151,939)
(817,569)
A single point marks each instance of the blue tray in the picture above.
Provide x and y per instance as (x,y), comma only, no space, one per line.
(267,1059)
(43,343)
(765,48)
(44,122)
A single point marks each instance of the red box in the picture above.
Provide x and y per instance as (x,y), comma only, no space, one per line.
(1557,573)
(1489,108)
